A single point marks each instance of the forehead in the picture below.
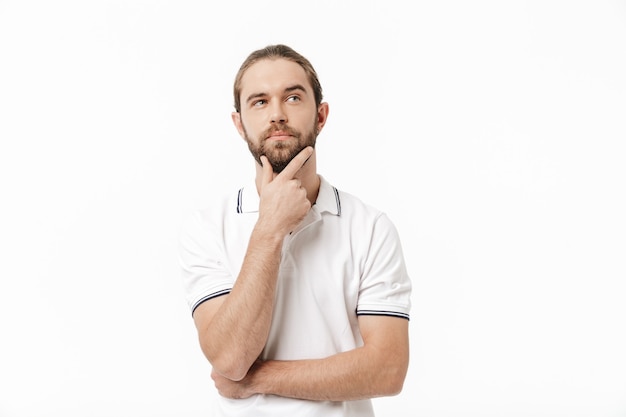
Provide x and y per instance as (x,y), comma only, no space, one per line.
(268,75)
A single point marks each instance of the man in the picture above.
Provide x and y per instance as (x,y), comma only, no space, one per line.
(299,291)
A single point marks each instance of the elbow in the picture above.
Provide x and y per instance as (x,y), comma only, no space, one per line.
(228,365)
(233,373)
(391,386)
(394,379)
(394,386)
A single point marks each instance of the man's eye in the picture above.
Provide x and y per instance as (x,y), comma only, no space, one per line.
(259,103)
(293,98)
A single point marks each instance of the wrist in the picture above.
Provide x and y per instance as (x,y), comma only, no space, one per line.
(268,235)
(258,377)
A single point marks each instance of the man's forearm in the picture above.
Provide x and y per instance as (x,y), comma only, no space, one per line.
(235,336)
(352,375)
(234,331)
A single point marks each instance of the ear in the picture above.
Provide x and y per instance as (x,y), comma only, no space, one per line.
(322,116)
(236,117)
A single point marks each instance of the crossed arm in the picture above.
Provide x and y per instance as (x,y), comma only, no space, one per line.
(233,329)
(378,368)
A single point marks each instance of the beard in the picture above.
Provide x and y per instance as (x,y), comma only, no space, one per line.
(280,153)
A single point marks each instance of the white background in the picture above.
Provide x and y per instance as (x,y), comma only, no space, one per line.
(491,132)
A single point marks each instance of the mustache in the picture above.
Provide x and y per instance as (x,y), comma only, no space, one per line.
(281,127)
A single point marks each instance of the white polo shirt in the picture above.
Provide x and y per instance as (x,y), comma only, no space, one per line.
(344,260)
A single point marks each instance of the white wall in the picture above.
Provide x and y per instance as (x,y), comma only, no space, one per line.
(491,132)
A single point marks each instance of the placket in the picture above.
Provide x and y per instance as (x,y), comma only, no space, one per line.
(312,216)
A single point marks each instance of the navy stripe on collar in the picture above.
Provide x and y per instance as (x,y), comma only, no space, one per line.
(338,201)
(324,201)
(239,198)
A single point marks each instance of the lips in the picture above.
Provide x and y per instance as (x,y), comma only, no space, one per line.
(279,135)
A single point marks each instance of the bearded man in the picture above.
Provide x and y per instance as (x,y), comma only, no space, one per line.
(299,291)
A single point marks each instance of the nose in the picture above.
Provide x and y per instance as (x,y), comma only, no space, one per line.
(277,114)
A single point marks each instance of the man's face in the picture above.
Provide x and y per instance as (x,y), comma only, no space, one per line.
(278,115)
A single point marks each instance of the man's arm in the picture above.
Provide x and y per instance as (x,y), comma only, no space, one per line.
(378,368)
(233,329)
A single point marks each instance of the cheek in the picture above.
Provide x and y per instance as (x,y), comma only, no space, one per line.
(251,125)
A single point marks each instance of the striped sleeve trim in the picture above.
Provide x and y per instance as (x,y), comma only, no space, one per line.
(382,313)
(209,297)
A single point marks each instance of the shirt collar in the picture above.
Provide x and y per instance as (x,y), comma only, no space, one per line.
(327,199)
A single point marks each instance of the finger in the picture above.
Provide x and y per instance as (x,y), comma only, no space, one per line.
(268,172)
(296,163)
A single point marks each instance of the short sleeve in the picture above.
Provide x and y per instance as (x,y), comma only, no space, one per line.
(385,285)
(203,274)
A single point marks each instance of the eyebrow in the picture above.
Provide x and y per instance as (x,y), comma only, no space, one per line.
(295,87)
